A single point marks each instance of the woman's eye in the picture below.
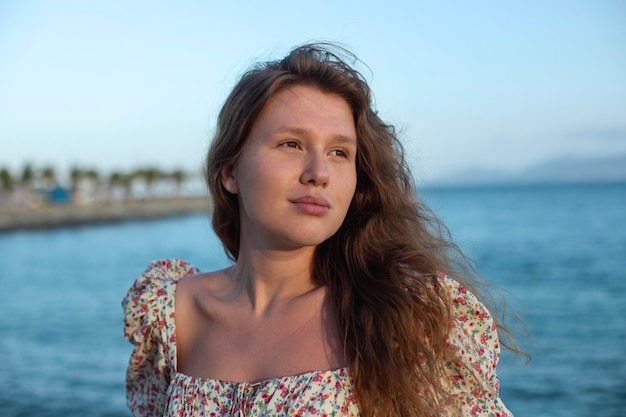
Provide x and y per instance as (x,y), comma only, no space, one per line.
(290,144)
(340,153)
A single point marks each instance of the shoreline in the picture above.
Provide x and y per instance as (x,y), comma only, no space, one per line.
(72,215)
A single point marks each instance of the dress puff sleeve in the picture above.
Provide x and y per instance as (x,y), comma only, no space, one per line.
(149,326)
(475,341)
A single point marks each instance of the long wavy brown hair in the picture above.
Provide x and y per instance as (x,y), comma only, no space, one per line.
(382,265)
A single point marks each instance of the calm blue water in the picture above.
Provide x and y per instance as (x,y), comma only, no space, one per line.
(559,252)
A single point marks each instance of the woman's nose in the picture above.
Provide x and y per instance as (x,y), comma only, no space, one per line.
(315,171)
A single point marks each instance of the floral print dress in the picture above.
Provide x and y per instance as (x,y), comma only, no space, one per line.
(155,388)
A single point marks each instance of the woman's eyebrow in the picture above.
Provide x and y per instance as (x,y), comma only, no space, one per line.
(300,131)
(292,129)
(346,139)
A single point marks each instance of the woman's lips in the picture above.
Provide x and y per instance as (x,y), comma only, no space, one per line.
(313,205)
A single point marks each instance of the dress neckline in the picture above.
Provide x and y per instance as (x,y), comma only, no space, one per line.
(339,372)
(177,374)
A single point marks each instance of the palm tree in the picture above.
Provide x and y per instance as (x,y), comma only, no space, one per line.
(49,175)
(126,181)
(6,185)
(115,179)
(93,176)
(76,174)
(28,174)
(149,176)
(179,177)
(26,184)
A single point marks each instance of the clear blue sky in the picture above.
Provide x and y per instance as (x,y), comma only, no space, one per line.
(120,84)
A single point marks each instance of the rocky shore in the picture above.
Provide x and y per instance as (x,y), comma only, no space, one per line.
(53,216)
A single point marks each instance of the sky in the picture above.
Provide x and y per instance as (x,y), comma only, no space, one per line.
(117,85)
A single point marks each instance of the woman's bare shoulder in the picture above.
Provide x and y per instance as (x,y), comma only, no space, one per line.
(196,289)
(197,308)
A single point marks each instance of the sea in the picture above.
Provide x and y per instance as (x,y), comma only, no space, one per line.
(555,253)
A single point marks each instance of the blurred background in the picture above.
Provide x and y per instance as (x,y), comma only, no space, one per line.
(513,120)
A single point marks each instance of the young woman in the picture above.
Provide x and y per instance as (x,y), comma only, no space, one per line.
(336,303)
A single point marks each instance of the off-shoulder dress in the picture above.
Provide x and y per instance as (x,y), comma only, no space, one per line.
(154,387)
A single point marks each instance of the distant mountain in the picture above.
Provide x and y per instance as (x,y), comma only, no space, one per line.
(559,170)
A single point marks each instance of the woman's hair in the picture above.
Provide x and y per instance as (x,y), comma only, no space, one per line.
(382,265)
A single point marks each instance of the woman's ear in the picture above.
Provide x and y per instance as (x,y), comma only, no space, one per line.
(228,179)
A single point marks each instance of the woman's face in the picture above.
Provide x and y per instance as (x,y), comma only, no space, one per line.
(296,174)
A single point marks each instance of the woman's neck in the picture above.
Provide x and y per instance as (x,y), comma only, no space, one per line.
(270,279)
